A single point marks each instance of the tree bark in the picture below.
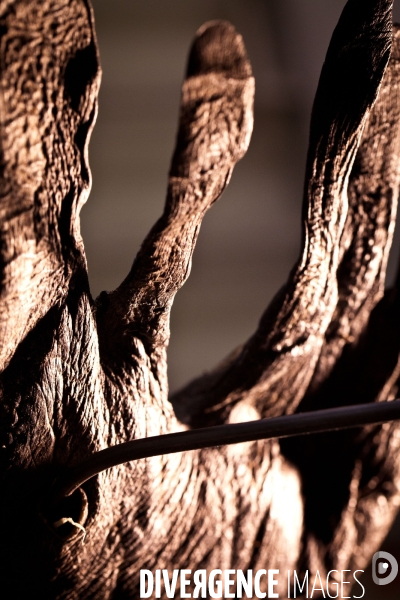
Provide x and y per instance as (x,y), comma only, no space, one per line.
(79,375)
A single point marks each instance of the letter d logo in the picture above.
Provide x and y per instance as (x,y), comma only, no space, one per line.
(384,568)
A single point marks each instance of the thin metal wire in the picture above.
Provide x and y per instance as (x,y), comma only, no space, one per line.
(221,435)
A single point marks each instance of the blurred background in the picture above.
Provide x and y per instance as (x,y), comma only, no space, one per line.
(250,238)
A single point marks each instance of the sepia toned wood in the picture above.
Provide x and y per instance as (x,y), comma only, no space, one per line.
(79,376)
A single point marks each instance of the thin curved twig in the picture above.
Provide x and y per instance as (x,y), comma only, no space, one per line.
(262,429)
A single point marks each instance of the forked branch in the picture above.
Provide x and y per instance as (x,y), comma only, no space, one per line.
(80,379)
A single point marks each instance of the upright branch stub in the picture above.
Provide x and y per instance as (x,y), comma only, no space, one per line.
(215,125)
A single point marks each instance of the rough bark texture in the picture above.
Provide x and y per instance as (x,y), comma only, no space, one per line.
(78,375)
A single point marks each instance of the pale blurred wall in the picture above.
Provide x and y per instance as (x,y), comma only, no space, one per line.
(250,239)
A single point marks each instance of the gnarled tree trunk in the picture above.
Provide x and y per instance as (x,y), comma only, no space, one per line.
(79,375)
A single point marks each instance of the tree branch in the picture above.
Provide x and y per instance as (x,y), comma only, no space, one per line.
(216,121)
(274,368)
(50,78)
